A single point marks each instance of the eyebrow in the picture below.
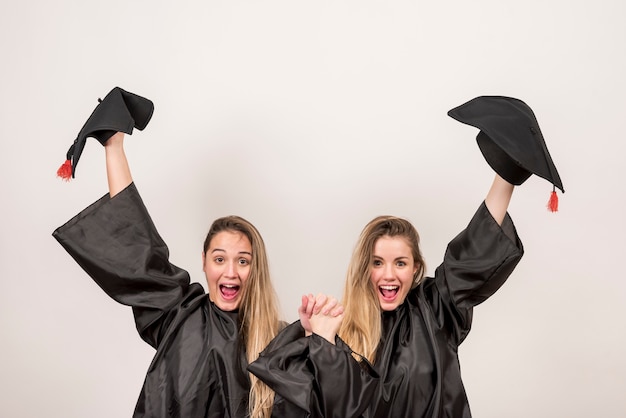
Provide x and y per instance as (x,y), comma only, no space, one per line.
(397,258)
(240,252)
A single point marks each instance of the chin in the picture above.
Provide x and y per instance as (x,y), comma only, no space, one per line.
(227,306)
(389,306)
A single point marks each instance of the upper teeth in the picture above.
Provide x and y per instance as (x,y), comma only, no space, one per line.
(389,287)
(229,285)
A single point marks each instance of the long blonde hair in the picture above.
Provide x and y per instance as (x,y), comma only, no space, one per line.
(361,326)
(258,310)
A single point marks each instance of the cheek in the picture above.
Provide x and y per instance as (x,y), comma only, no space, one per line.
(374,277)
(407,281)
(211,274)
(244,273)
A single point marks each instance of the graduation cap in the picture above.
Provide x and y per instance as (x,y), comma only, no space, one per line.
(510,140)
(119,111)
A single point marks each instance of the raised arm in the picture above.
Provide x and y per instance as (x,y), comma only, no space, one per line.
(476,263)
(115,240)
(498,198)
(118,170)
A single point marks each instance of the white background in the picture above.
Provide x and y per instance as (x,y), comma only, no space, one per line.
(309,118)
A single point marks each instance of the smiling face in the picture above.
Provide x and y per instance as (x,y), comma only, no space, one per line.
(226,265)
(393,271)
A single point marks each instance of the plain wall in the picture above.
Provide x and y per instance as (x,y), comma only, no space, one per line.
(309,118)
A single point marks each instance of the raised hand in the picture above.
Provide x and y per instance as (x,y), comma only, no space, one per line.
(326,317)
(321,315)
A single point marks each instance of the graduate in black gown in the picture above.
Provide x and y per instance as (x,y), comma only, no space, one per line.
(203,342)
(410,326)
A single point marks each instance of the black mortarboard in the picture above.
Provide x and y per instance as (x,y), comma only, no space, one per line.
(509,138)
(119,111)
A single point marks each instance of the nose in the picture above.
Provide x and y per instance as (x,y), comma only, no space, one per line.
(230,269)
(388,272)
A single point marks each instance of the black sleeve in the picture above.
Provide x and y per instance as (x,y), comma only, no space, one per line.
(322,379)
(476,263)
(116,243)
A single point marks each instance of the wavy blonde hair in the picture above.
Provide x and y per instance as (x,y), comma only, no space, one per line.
(361,326)
(258,311)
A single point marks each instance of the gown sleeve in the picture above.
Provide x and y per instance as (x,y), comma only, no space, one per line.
(320,378)
(476,263)
(115,241)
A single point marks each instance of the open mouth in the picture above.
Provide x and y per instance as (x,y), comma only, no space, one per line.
(229,291)
(388,292)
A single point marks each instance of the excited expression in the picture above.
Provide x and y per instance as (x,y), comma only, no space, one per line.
(226,265)
(393,271)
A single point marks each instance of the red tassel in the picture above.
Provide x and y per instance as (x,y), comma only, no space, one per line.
(553,203)
(65,171)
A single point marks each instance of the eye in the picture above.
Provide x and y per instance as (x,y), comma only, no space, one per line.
(244,261)
(377,263)
(401,264)
(219,260)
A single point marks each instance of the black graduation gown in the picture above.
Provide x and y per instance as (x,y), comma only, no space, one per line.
(199,369)
(418,353)
(311,373)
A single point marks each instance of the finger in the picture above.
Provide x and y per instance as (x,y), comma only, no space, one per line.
(304,302)
(337,311)
(329,306)
(320,301)
(310,304)
(306,306)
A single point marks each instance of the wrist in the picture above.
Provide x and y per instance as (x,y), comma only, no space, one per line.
(328,337)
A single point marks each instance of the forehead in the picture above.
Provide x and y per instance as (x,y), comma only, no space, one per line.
(395,246)
(230,241)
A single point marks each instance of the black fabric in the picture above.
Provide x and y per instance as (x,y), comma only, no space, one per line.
(199,369)
(417,357)
(320,378)
(500,161)
(119,111)
(512,142)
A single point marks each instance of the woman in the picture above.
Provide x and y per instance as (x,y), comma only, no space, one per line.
(203,344)
(410,327)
